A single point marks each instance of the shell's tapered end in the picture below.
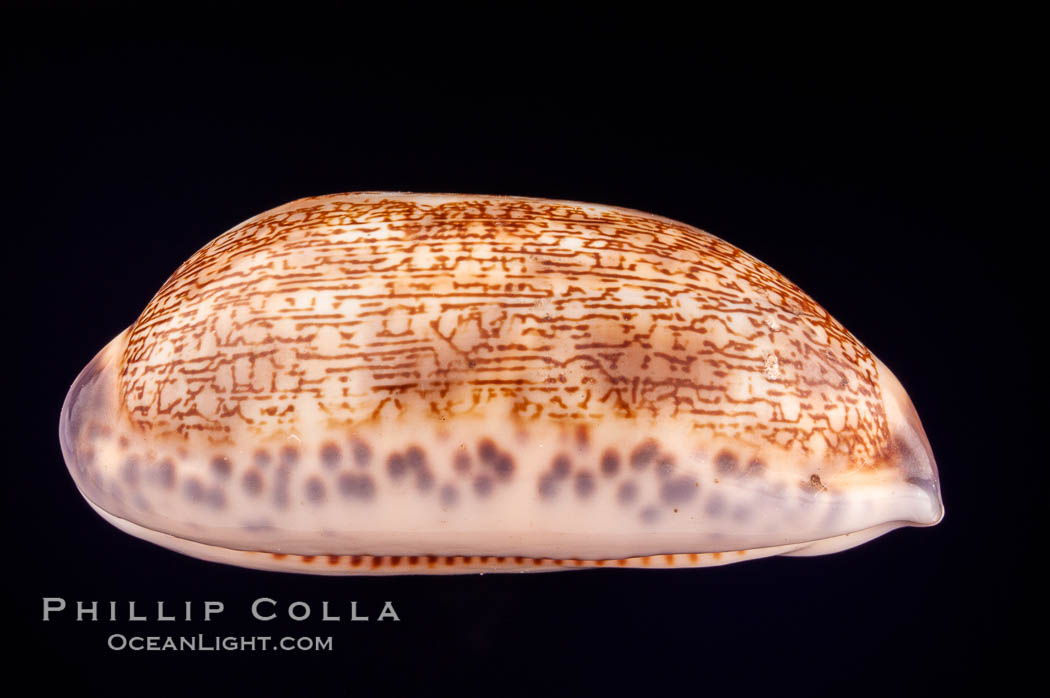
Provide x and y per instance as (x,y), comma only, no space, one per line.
(911,450)
(911,490)
(87,420)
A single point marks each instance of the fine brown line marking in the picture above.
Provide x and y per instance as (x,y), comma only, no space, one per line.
(522,228)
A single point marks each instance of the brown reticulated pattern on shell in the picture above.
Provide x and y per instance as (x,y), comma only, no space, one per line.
(376,306)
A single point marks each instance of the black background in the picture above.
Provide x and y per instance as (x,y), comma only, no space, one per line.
(885,171)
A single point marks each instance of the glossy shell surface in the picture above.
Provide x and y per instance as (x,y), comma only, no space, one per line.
(385,382)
